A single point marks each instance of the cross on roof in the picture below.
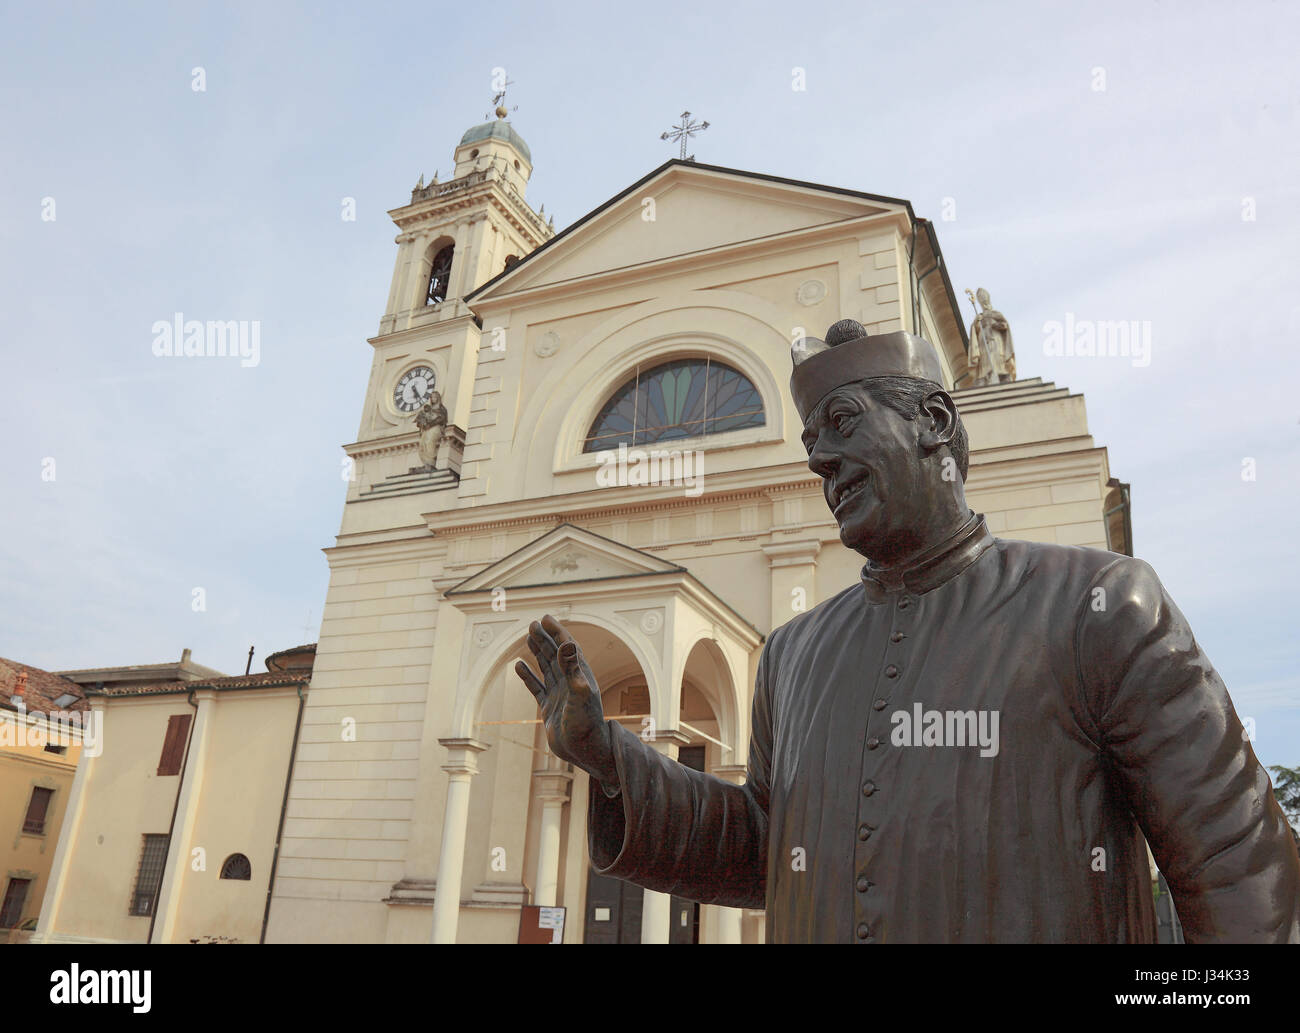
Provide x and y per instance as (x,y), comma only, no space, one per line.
(683,132)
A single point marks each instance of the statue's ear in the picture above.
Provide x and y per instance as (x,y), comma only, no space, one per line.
(938,418)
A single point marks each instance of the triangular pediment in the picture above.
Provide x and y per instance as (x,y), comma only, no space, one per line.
(563,555)
(678,210)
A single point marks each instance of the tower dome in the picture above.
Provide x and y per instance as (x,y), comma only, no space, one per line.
(498,129)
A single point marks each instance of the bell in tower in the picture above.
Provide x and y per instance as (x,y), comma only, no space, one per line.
(454,234)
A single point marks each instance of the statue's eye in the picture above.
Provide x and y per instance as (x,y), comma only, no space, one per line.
(843,421)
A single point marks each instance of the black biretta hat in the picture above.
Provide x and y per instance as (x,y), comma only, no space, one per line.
(849,354)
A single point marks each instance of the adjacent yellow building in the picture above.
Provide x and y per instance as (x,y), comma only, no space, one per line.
(42,720)
(170,833)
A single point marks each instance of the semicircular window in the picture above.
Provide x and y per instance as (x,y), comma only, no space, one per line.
(688,398)
(236,866)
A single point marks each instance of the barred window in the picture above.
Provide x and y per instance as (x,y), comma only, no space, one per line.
(148,880)
(236,866)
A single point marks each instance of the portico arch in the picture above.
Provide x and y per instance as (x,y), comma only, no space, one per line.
(708,666)
(637,617)
(480,671)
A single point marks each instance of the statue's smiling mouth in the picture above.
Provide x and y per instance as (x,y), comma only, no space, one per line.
(849,490)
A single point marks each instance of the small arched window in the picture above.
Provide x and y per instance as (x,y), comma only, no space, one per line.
(684,399)
(236,866)
(440,275)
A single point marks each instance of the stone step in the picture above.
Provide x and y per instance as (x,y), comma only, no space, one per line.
(411,483)
(1034,384)
(1017,398)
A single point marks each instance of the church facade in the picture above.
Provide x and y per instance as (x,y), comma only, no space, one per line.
(619,449)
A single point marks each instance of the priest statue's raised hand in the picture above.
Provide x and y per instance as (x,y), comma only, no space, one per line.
(970,744)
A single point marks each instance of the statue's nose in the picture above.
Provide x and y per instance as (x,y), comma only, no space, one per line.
(823,462)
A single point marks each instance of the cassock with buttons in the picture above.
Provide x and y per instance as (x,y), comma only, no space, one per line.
(1111,725)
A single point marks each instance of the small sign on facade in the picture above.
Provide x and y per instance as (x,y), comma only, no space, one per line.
(541,924)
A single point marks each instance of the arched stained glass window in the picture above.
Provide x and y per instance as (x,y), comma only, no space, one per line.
(236,866)
(440,275)
(684,399)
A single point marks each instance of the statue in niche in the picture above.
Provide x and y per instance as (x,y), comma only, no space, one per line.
(431,419)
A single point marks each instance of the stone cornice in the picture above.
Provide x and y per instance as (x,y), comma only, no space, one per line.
(461,322)
(733,773)
(792,554)
(667,735)
(462,755)
(592,505)
(552,785)
(479,188)
(401,442)
(1036,471)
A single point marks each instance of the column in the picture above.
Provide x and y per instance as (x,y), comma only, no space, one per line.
(461,766)
(167,909)
(462,277)
(397,293)
(657,908)
(729,918)
(47,924)
(416,285)
(552,789)
(421,869)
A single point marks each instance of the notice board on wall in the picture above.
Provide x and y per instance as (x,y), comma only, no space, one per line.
(541,924)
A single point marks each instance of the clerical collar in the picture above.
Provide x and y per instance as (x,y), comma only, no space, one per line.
(930,569)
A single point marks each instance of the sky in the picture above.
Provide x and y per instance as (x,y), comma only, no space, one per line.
(1130,161)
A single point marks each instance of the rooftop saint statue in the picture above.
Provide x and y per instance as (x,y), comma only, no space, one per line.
(970,744)
(992,353)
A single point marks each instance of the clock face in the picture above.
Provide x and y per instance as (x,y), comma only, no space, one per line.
(412,390)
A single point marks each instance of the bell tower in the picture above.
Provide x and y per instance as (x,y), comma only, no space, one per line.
(454,235)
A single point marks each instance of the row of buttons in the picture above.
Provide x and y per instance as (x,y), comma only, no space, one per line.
(869,787)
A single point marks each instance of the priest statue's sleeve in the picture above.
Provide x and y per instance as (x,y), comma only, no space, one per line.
(672,829)
(1165,722)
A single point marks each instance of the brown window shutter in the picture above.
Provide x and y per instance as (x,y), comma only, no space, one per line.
(173,751)
(37,808)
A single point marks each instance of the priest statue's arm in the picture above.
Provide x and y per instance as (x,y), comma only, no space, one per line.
(651,820)
(1169,731)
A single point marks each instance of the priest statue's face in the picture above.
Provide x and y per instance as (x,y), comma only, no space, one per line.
(876,476)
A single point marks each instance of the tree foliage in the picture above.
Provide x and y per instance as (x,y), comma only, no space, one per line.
(1286,787)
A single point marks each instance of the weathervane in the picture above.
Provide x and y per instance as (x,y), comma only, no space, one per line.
(499,99)
(684,132)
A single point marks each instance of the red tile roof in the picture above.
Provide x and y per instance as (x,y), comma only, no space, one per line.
(41,690)
(262,680)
